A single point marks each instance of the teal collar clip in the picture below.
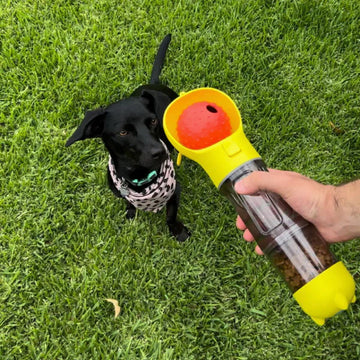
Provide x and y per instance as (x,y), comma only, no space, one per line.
(148,179)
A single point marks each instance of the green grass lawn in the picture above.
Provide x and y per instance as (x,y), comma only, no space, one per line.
(293,69)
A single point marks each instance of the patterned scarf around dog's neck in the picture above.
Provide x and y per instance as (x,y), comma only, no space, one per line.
(153,197)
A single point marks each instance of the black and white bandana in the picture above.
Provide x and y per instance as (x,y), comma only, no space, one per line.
(154,197)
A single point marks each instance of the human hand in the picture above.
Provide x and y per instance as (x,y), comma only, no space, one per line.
(317,203)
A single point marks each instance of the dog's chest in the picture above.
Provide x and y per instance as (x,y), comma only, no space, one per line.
(154,197)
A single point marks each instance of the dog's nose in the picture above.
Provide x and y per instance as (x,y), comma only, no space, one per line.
(157,153)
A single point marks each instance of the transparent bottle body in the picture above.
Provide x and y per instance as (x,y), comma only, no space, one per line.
(294,246)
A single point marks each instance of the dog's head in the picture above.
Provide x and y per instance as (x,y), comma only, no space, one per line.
(131,130)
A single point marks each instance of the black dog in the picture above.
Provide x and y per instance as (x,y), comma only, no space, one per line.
(140,169)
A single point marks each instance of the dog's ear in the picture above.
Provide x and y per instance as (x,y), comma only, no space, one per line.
(92,126)
(148,97)
(155,101)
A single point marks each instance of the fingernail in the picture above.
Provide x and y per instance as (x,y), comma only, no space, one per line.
(239,188)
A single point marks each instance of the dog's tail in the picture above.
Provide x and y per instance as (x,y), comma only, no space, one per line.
(159,60)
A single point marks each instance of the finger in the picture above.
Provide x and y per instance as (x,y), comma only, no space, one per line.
(240,224)
(248,236)
(258,250)
(281,182)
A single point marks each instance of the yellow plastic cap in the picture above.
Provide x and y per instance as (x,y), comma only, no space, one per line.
(221,158)
(327,294)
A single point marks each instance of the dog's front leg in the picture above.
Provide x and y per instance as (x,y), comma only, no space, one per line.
(130,210)
(176,227)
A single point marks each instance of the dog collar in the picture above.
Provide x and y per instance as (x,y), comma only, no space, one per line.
(151,176)
(154,197)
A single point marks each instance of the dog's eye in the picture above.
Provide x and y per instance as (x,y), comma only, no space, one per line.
(123,133)
(153,122)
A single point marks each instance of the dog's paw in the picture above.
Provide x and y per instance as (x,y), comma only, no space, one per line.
(130,214)
(130,211)
(180,231)
(184,235)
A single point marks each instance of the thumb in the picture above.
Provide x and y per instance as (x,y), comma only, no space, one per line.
(276,181)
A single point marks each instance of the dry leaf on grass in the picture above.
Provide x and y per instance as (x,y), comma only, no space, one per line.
(335,128)
(116,306)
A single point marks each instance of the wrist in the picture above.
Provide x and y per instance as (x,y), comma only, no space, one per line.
(344,211)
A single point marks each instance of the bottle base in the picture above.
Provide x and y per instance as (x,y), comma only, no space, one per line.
(327,294)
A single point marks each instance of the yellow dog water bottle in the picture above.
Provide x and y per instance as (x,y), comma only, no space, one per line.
(205,125)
